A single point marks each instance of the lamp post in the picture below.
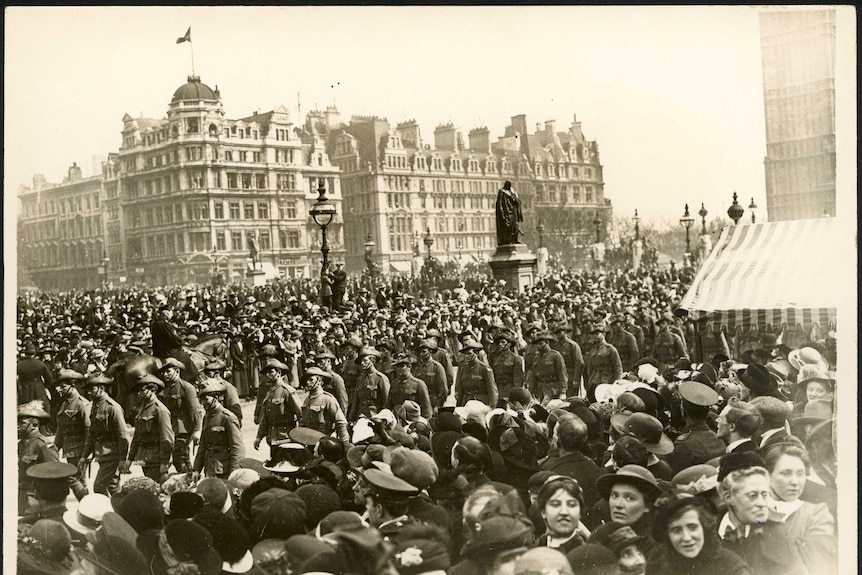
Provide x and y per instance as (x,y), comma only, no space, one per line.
(636,219)
(105,261)
(702,213)
(369,250)
(735,210)
(322,212)
(428,241)
(598,223)
(686,220)
(541,229)
(752,206)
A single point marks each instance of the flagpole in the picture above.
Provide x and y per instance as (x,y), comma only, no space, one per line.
(192,47)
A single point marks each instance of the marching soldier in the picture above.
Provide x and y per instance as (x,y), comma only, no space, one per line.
(153,441)
(432,373)
(33,447)
(624,342)
(441,356)
(667,347)
(280,409)
(508,367)
(372,387)
(405,386)
(221,447)
(572,356)
(633,328)
(180,397)
(108,441)
(334,385)
(549,380)
(273,372)
(530,352)
(73,424)
(231,395)
(320,410)
(475,380)
(602,361)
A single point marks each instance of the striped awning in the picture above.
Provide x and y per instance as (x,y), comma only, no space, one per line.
(768,275)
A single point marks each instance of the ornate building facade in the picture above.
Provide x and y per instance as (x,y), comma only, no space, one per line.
(398,190)
(798,50)
(185,194)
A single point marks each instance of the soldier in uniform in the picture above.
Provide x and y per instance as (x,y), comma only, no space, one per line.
(697,443)
(221,447)
(153,441)
(180,397)
(508,367)
(33,447)
(602,361)
(530,351)
(320,410)
(372,387)
(231,395)
(572,357)
(350,370)
(475,380)
(441,356)
(108,441)
(633,328)
(73,424)
(548,377)
(51,489)
(333,385)
(387,499)
(273,372)
(625,342)
(405,386)
(280,409)
(667,347)
(432,373)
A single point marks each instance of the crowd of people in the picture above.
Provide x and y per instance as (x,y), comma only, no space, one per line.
(578,427)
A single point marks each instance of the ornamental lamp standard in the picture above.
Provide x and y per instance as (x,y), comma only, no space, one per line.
(752,206)
(541,229)
(598,223)
(105,261)
(686,220)
(703,213)
(636,219)
(428,241)
(322,212)
(735,210)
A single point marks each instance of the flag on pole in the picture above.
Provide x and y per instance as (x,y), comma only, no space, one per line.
(187,37)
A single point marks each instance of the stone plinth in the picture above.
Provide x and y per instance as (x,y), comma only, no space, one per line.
(514,264)
(255,278)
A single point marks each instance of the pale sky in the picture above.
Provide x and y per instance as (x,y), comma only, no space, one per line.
(672,95)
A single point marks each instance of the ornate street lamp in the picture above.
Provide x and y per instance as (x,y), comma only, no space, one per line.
(428,241)
(686,220)
(752,206)
(598,223)
(369,250)
(702,213)
(541,229)
(636,219)
(322,212)
(735,210)
(105,261)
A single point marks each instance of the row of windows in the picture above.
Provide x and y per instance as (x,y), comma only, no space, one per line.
(72,205)
(79,255)
(233,240)
(199,211)
(473,166)
(565,195)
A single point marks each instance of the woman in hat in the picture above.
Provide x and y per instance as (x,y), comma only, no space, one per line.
(630,494)
(810,525)
(46,548)
(626,545)
(560,500)
(685,529)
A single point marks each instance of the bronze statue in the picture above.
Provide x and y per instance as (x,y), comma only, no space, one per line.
(508,215)
(253,250)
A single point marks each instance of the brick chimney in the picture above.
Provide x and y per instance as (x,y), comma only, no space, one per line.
(480,140)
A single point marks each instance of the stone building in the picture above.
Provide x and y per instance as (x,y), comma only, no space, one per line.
(798,50)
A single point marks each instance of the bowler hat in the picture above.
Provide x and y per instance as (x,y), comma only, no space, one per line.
(635,475)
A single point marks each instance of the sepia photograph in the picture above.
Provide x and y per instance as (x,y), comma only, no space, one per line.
(430,290)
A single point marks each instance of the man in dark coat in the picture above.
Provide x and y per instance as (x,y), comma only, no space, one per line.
(33,377)
(168,343)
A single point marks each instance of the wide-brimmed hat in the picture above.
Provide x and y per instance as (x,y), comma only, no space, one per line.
(812,372)
(70,375)
(35,409)
(367,351)
(646,428)
(172,362)
(806,356)
(757,379)
(211,386)
(635,475)
(273,363)
(696,479)
(87,517)
(816,411)
(114,548)
(147,379)
(473,345)
(46,547)
(315,371)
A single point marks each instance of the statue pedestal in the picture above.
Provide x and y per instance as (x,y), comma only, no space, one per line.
(255,278)
(514,264)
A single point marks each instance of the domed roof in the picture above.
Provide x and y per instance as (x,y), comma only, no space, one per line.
(194,89)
